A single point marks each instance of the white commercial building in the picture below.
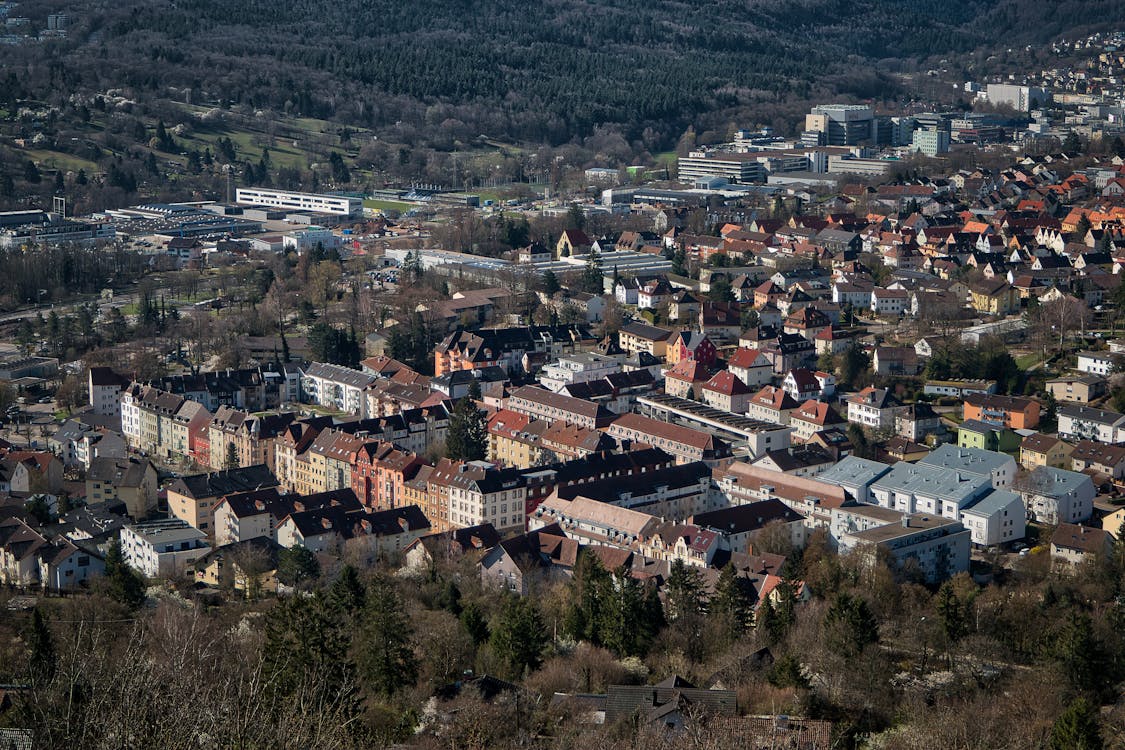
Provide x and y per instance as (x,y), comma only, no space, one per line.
(298,202)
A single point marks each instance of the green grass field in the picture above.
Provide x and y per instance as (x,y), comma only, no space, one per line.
(387,205)
(55,160)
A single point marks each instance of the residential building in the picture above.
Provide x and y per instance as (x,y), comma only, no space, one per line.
(896,360)
(1086,423)
(807,460)
(516,349)
(248,567)
(930,547)
(1005,411)
(162,549)
(543,404)
(1095,363)
(1075,544)
(739,483)
(1054,496)
(1099,458)
(131,481)
(918,421)
(240,516)
(737,525)
(724,391)
(751,367)
(803,384)
(874,408)
(451,545)
(105,388)
(994,297)
(997,518)
(516,564)
(686,379)
(582,367)
(772,404)
(638,337)
(192,499)
(1038,449)
(685,443)
(1078,389)
(999,468)
(380,472)
(932,490)
(812,417)
(362,536)
(690,345)
(855,475)
(336,387)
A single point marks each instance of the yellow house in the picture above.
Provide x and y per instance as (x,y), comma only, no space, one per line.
(248,566)
(638,337)
(1114,523)
(573,242)
(514,439)
(994,297)
(1045,450)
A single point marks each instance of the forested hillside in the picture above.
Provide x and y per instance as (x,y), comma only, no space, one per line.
(530,71)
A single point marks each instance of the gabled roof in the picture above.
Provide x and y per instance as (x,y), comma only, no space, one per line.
(727,383)
(818,413)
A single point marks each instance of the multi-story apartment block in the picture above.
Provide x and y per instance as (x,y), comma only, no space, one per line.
(933,547)
(1086,423)
(336,387)
(162,549)
(543,404)
(192,499)
(1003,411)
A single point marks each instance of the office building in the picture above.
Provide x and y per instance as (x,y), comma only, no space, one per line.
(300,202)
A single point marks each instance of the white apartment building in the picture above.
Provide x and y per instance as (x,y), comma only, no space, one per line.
(336,387)
(1097,363)
(577,368)
(162,549)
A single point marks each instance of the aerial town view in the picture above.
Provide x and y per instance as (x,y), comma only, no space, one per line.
(679,376)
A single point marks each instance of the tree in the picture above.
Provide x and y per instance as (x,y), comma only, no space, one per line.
(1082,228)
(31,172)
(42,659)
(850,624)
(551,285)
(231,461)
(306,648)
(385,656)
(124,584)
(731,603)
(519,636)
(575,217)
(853,364)
(1072,144)
(474,623)
(684,592)
(467,438)
(1077,727)
(593,279)
(347,591)
(296,565)
(952,612)
(1080,655)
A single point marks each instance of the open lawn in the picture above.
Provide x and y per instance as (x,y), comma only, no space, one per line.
(47,159)
(1027,361)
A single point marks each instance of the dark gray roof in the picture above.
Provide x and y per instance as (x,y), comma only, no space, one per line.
(219,483)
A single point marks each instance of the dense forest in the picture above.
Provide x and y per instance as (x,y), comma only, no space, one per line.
(542,72)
